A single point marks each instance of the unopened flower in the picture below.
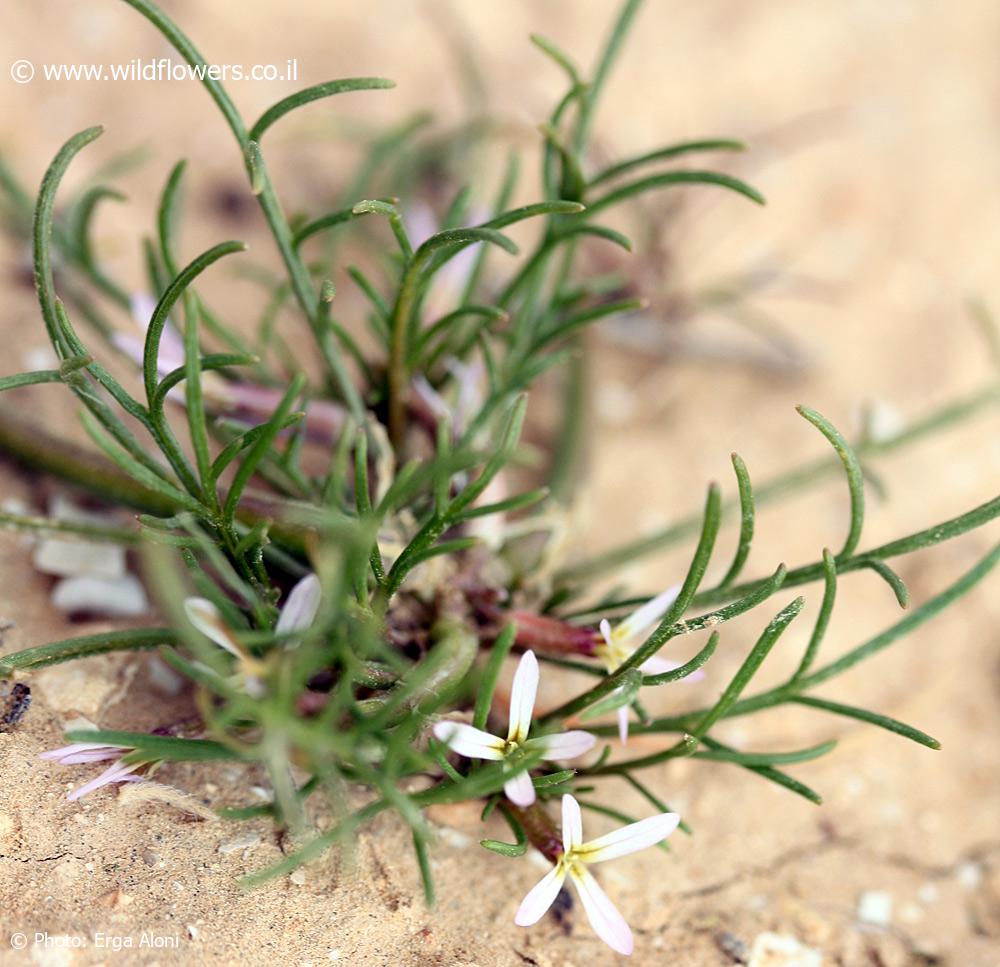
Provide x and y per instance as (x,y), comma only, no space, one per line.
(85,752)
(297,614)
(477,744)
(573,861)
(622,641)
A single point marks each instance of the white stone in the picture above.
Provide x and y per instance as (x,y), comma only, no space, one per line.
(875,907)
(781,950)
(119,597)
(246,842)
(969,875)
(928,893)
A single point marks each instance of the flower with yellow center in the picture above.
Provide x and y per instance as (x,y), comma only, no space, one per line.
(622,641)
(474,743)
(573,861)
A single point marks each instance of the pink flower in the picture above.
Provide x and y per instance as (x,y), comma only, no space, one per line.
(476,744)
(86,752)
(577,855)
(622,641)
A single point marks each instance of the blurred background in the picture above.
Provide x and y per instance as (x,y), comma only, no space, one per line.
(873,130)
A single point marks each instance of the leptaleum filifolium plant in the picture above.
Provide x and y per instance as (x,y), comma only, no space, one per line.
(399,607)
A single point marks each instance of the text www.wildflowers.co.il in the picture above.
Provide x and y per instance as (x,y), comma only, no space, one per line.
(162,69)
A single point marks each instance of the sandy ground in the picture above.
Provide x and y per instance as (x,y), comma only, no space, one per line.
(875,127)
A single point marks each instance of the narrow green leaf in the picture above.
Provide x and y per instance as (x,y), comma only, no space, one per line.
(557,56)
(30,379)
(746,520)
(749,667)
(488,682)
(167,302)
(315,93)
(766,758)
(136,470)
(669,179)
(688,668)
(664,154)
(872,718)
(891,578)
(261,446)
(625,694)
(42,233)
(70,649)
(823,618)
(855,477)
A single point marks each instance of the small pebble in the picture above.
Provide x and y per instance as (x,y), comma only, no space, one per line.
(970,875)
(245,842)
(121,597)
(875,907)
(928,893)
(298,877)
(781,950)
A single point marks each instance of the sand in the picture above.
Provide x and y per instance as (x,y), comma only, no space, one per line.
(876,145)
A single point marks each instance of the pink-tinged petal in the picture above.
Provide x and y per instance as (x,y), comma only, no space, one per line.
(564,745)
(603,915)
(540,898)
(605,627)
(299,611)
(520,790)
(572,823)
(657,665)
(114,773)
(84,752)
(131,346)
(630,839)
(142,306)
(646,616)
(206,618)
(468,741)
(522,697)
(74,749)
(171,355)
(623,724)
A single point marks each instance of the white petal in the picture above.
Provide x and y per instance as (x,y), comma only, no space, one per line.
(519,789)
(604,917)
(142,306)
(572,823)
(630,839)
(605,627)
(564,745)
(206,618)
(299,611)
(522,697)
(623,724)
(657,665)
(468,741)
(540,898)
(651,612)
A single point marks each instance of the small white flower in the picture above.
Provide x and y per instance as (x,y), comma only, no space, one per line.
(604,917)
(622,641)
(477,744)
